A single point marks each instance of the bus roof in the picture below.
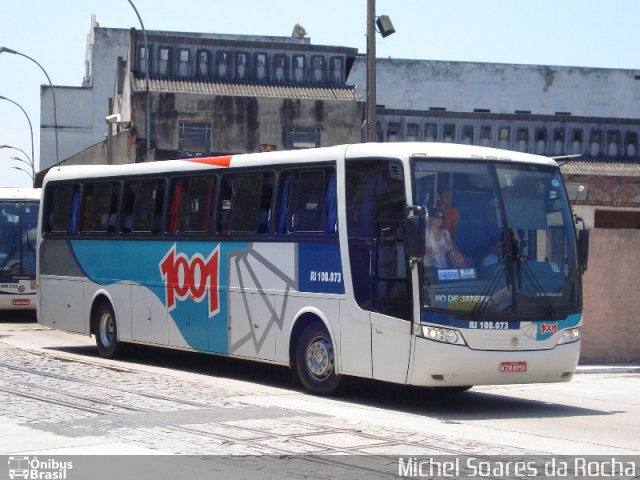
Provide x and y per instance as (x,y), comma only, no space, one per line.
(312,155)
(19,193)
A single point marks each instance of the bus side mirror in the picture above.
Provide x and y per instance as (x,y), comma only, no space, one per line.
(415,233)
(583,249)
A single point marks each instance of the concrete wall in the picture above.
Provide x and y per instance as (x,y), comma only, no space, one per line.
(612,298)
(241,124)
(502,88)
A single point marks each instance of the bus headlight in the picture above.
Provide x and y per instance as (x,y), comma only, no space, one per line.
(439,334)
(569,336)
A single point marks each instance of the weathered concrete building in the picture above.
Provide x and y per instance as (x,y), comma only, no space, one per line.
(214,94)
(553,111)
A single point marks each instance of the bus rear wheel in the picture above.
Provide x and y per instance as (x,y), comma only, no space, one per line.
(315,360)
(106,331)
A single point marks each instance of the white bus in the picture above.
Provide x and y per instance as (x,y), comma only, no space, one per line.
(315,259)
(18,237)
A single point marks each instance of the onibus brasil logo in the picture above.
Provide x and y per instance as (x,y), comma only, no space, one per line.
(34,468)
(193,278)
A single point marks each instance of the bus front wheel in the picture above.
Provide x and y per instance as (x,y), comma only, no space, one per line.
(106,331)
(315,360)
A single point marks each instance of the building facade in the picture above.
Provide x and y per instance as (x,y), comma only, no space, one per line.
(217,94)
(552,111)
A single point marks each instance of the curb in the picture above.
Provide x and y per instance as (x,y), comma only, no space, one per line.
(608,369)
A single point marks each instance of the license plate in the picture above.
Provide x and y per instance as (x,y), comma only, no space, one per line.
(21,301)
(513,367)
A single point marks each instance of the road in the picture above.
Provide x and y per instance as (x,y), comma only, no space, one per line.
(58,397)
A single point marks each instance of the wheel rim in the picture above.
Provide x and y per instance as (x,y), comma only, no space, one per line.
(319,358)
(107,329)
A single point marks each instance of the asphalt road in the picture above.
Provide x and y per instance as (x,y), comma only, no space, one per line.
(58,397)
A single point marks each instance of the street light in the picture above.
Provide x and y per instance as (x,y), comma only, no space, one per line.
(32,172)
(146,82)
(53,93)
(25,171)
(386,29)
(33,158)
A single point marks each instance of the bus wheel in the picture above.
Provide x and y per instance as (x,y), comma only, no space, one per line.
(315,360)
(106,331)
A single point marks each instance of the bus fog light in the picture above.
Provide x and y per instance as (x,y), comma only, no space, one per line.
(569,336)
(438,334)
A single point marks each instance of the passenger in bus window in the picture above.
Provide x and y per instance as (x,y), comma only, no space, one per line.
(439,245)
(491,261)
(451,214)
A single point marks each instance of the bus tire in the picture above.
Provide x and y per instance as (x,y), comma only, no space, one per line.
(315,360)
(106,331)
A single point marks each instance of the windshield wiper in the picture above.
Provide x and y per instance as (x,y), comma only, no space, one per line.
(538,293)
(490,289)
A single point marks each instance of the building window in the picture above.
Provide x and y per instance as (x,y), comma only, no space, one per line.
(337,70)
(393,132)
(412,132)
(431,132)
(280,73)
(467,134)
(184,63)
(485,136)
(203,63)
(449,133)
(261,66)
(164,61)
(595,142)
(304,138)
(194,139)
(541,140)
(613,143)
(504,137)
(577,141)
(558,141)
(299,66)
(142,60)
(242,66)
(317,68)
(222,65)
(630,144)
(522,139)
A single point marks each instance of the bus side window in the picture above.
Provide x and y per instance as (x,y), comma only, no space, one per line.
(245,203)
(308,202)
(62,209)
(190,205)
(143,201)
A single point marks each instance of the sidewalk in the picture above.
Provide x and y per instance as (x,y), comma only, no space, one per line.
(615,368)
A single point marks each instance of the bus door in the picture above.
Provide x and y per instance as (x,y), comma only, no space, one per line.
(381,279)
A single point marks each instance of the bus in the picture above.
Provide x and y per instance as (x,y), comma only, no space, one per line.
(316,260)
(18,237)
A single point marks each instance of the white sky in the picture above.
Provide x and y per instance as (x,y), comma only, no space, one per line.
(587,33)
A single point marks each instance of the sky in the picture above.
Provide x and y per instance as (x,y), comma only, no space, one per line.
(585,33)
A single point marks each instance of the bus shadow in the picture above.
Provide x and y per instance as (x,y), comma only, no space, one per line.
(429,402)
(18,316)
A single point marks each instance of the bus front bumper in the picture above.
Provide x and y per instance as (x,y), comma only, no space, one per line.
(438,364)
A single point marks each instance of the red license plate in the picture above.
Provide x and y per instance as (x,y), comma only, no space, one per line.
(515,367)
(21,301)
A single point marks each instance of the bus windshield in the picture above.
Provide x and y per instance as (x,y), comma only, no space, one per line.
(18,225)
(499,240)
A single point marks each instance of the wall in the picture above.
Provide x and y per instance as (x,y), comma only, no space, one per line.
(502,88)
(241,124)
(611,331)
